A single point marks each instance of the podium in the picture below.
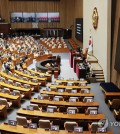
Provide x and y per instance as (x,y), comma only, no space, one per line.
(80,71)
(75,61)
(5,29)
(72,55)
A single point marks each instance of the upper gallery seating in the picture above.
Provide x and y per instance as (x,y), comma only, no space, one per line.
(55,45)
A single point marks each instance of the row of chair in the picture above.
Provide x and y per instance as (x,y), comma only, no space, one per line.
(14,92)
(69,90)
(65,98)
(23,77)
(115,106)
(64,109)
(68,125)
(69,83)
(3,101)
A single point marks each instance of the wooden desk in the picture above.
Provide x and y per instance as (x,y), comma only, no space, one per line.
(21,130)
(33,84)
(81,72)
(111,95)
(64,103)
(58,115)
(73,87)
(3,111)
(74,81)
(14,99)
(71,55)
(42,80)
(75,61)
(48,76)
(26,91)
(66,94)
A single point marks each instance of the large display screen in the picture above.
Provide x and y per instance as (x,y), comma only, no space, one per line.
(79,29)
(16,17)
(34,17)
(29,17)
(53,17)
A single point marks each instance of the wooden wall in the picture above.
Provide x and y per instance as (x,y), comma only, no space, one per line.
(69,10)
(78,14)
(65,7)
(115,76)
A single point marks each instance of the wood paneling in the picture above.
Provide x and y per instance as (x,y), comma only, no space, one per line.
(115,76)
(69,10)
(78,14)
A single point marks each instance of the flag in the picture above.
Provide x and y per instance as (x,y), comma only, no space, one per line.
(90,47)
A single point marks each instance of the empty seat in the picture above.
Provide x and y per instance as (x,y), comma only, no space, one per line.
(82,79)
(10,82)
(72,110)
(90,108)
(6,90)
(53,89)
(21,121)
(73,99)
(68,90)
(52,107)
(93,127)
(82,84)
(58,83)
(88,99)
(26,86)
(58,98)
(3,79)
(114,104)
(25,78)
(70,83)
(44,124)
(34,80)
(85,91)
(33,74)
(18,84)
(117,114)
(4,102)
(17,93)
(26,72)
(69,126)
(15,75)
(44,96)
(35,106)
(61,90)
(74,91)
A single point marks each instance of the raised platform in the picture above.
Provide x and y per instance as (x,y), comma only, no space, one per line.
(97,69)
(111,91)
(92,59)
(40,65)
(109,87)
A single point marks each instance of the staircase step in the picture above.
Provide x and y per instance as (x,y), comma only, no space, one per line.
(99,77)
(99,74)
(100,80)
(98,71)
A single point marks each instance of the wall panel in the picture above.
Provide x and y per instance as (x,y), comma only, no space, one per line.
(78,14)
(69,10)
(102,35)
(115,76)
